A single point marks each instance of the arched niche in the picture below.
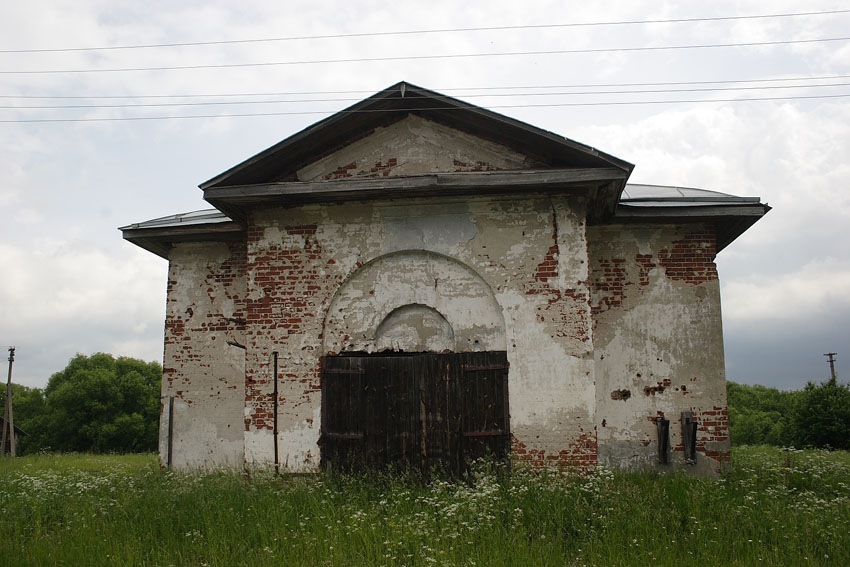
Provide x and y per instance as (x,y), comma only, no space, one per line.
(453,307)
(415,328)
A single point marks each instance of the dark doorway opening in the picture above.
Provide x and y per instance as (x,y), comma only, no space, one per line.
(426,411)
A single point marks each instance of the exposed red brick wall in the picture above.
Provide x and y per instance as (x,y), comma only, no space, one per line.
(287,291)
(608,281)
(581,453)
(621,262)
(184,327)
(474,166)
(380,169)
(713,427)
(563,305)
(689,259)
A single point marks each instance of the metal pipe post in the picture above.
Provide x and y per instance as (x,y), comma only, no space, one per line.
(274,409)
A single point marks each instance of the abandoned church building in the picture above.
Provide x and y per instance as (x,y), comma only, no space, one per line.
(418,280)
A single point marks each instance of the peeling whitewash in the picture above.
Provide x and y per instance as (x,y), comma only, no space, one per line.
(413,146)
(519,273)
(659,352)
(203,373)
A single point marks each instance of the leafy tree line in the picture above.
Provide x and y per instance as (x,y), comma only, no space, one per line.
(816,416)
(97,404)
(101,404)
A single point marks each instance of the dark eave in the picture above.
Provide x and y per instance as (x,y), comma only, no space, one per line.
(730,216)
(281,161)
(605,185)
(160,239)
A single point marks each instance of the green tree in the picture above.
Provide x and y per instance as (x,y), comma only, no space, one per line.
(29,409)
(821,417)
(759,415)
(102,404)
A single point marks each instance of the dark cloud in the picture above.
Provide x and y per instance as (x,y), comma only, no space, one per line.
(789,353)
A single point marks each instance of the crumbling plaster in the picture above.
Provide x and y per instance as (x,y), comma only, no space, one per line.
(401,280)
(476,262)
(658,346)
(204,372)
(413,146)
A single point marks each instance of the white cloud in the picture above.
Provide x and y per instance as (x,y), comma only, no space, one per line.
(60,298)
(813,290)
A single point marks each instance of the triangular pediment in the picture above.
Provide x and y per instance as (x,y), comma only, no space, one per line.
(405,113)
(414,146)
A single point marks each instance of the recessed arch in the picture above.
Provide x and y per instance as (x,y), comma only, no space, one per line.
(415,328)
(434,282)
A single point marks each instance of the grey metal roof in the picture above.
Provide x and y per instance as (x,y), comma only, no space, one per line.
(633,194)
(669,196)
(205,216)
(638,202)
(158,235)
(730,214)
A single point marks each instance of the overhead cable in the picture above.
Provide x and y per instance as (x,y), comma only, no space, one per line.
(425,31)
(428,57)
(438,97)
(441,108)
(443,89)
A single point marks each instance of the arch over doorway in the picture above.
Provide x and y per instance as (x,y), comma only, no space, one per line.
(416,289)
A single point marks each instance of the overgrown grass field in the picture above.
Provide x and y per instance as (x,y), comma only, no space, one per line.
(776,508)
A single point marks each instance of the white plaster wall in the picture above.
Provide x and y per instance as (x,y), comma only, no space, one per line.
(663,345)
(413,146)
(203,373)
(408,278)
(477,262)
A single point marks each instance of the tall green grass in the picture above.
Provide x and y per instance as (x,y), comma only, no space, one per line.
(776,508)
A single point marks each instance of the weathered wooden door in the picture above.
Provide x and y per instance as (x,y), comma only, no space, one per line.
(414,410)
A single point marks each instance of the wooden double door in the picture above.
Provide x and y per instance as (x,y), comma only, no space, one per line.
(427,411)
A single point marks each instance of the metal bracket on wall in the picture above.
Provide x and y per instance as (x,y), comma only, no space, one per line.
(689,437)
(662,426)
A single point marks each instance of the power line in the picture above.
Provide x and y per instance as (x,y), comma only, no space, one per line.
(428,57)
(313,100)
(328,112)
(450,89)
(425,31)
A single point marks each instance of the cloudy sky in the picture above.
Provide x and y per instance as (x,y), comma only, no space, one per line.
(111,144)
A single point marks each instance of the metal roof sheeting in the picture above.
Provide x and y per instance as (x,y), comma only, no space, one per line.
(633,194)
(669,196)
(205,216)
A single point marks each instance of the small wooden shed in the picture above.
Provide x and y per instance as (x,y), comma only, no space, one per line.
(7,448)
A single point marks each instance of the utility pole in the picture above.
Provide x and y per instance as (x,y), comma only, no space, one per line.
(8,419)
(831,357)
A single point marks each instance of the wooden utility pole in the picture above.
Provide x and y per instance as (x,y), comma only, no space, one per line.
(831,357)
(8,418)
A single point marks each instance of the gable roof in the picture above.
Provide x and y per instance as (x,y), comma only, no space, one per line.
(280,162)
(555,164)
